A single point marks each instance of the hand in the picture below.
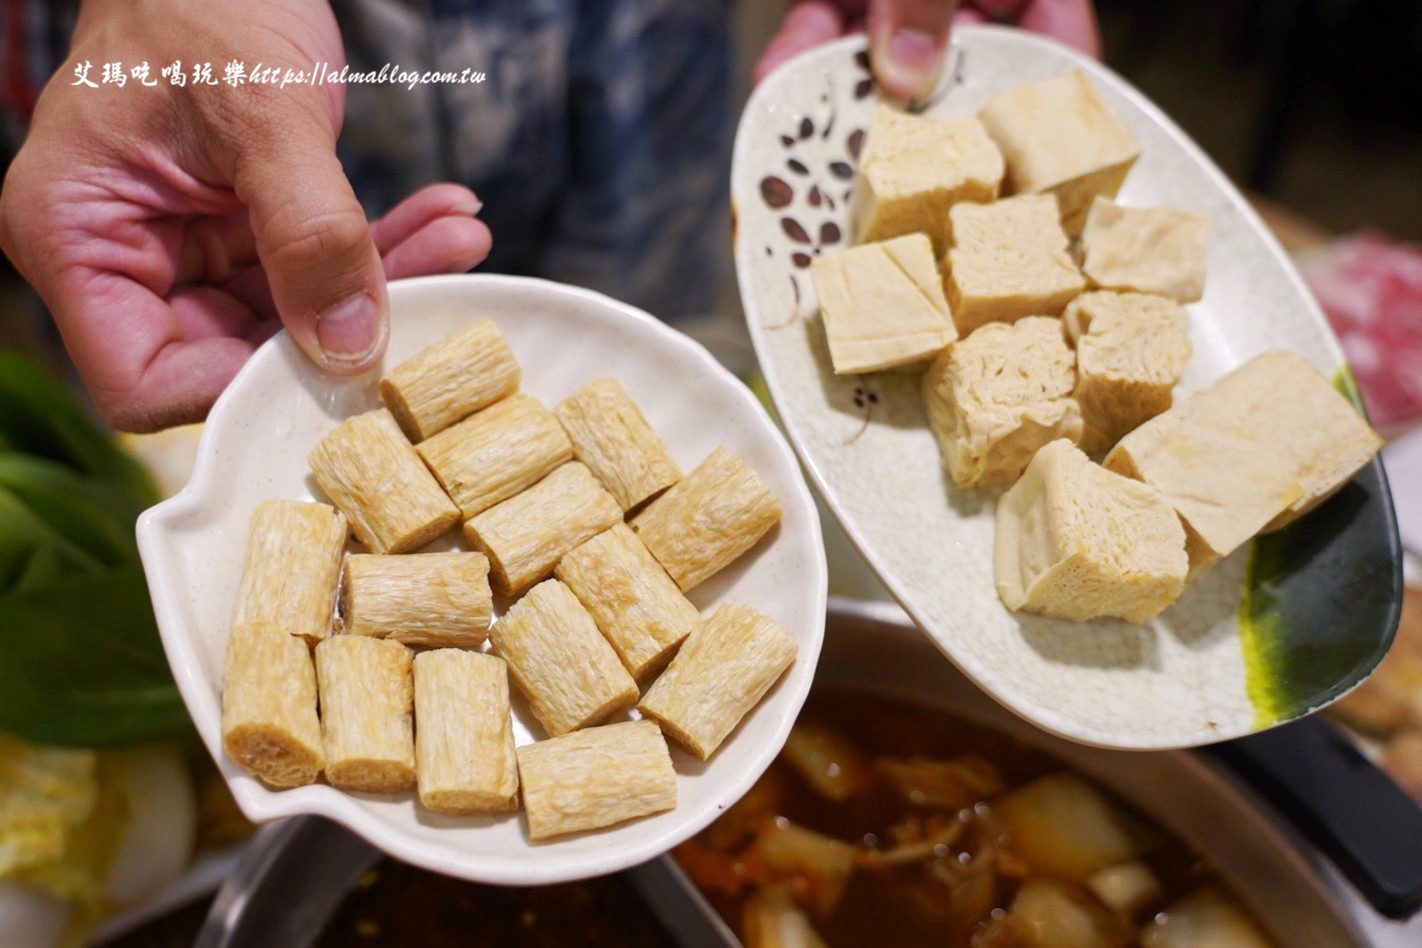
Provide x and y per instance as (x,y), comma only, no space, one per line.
(171,230)
(907,37)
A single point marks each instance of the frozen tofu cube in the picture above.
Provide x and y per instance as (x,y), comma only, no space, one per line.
(883,305)
(996,397)
(1286,404)
(1008,260)
(1221,472)
(1059,136)
(1224,486)
(1131,349)
(1147,249)
(915,168)
(1263,445)
(1076,541)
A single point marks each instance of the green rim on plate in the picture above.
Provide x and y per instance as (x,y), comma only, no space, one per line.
(1323,596)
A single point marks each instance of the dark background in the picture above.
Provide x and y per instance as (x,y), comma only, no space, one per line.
(1316,104)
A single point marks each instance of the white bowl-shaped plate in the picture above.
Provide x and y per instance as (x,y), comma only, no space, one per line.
(255,446)
(1188,678)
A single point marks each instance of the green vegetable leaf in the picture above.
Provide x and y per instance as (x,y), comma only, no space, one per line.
(96,516)
(24,536)
(44,566)
(81,664)
(39,417)
(80,658)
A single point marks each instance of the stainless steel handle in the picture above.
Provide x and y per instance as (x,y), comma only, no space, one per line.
(287,885)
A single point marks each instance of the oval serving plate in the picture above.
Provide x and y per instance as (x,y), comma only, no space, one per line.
(1275,631)
(255,445)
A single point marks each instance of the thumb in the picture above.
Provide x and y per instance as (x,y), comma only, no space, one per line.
(906,43)
(314,243)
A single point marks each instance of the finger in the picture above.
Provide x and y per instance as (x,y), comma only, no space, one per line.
(451,244)
(426,205)
(806,26)
(213,249)
(1073,22)
(447,245)
(129,348)
(906,43)
(314,243)
(251,288)
(205,312)
(216,250)
(967,14)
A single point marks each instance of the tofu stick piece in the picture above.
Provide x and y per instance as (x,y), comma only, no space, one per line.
(291,568)
(595,778)
(526,535)
(375,477)
(721,673)
(269,723)
(635,604)
(429,599)
(367,708)
(708,519)
(453,378)
(464,745)
(612,437)
(493,454)
(562,664)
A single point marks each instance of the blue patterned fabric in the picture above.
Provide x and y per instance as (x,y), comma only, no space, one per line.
(599,142)
(33,38)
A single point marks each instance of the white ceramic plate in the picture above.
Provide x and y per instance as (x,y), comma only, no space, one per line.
(1190,677)
(255,446)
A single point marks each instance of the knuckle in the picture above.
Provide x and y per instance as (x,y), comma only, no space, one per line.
(331,238)
(245,118)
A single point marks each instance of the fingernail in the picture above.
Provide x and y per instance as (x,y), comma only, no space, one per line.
(912,59)
(471,207)
(349,331)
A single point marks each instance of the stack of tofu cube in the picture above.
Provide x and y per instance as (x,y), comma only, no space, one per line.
(1055,317)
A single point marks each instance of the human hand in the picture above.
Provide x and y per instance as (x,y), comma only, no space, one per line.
(171,229)
(907,37)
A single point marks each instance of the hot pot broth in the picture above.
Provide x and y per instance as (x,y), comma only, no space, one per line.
(884,823)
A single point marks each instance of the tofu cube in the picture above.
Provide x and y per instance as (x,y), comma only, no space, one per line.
(1207,456)
(1059,136)
(1262,446)
(1295,410)
(1131,349)
(1146,249)
(882,305)
(915,168)
(996,397)
(1076,541)
(1008,260)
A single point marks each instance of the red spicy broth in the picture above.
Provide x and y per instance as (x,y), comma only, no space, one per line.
(886,823)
